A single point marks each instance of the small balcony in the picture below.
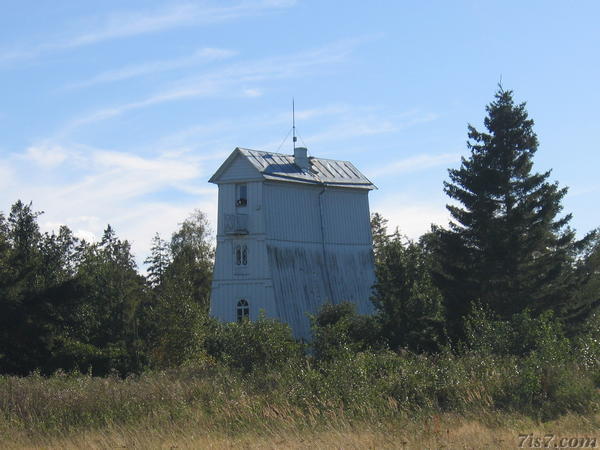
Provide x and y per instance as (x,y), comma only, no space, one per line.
(236,223)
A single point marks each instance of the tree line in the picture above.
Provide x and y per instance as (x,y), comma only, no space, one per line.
(508,264)
(70,304)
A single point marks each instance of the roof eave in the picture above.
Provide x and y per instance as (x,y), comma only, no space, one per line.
(289,179)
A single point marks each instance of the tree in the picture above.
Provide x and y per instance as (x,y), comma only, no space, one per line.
(158,261)
(587,294)
(409,306)
(506,247)
(180,275)
(192,252)
(37,291)
(104,332)
(379,234)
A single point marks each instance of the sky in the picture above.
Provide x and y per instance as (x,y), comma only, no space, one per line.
(118,112)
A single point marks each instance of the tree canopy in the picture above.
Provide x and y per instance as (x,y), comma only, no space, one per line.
(507,247)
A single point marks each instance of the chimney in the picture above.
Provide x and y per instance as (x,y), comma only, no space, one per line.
(300,158)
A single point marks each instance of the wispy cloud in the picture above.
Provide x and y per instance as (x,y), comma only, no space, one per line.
(46,155)
(414,163)
(231,79)
(133,71)
(128,24)
(365,121)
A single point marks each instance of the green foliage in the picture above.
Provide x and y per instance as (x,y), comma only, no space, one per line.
(248,346)
(409,306)
(180,274)
(338,330)
(506,247)
(521,335)
(587,293)
(587,345)
(111,294)
(65,303)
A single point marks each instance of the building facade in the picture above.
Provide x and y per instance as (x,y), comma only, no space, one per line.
(293,233)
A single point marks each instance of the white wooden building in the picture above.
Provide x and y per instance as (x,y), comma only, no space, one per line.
(293,233)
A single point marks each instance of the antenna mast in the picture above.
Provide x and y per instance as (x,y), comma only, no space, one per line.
(294,138)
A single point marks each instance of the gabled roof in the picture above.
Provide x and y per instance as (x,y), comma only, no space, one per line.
(281,167)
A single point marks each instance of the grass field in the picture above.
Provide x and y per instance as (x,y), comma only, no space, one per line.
(437,431)
(214,407)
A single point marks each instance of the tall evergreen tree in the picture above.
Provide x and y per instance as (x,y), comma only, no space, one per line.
(158,261)
(379,234)
(105,334)
(36,291)
(507,248)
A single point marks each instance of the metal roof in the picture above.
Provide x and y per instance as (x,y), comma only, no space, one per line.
(281,167)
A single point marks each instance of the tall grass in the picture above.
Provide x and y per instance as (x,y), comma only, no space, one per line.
(361,388)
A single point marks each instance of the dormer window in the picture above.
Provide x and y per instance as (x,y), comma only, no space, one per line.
(241,195)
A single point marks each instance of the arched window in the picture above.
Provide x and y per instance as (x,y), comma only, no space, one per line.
(241,255)
(238,255)
(244,255)
(243,310)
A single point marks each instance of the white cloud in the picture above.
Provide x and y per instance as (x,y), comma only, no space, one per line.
(412,217)
(127,24)
(86,235)
(414,163)
(46,155)
(116,187)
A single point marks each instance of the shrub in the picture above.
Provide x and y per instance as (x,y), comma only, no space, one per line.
(339,330)
(521,335)
(264,343)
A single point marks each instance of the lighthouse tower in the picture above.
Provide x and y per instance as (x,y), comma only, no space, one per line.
(293,233)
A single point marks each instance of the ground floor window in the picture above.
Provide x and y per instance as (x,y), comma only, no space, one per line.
(243,310)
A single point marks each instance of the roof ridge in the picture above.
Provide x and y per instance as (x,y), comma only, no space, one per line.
(290,155)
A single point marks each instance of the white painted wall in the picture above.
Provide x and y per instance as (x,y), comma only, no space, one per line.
(306,246)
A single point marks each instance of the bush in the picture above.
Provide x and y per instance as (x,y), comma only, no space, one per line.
(264,343)
(521,335)
(338,330)
(587,345)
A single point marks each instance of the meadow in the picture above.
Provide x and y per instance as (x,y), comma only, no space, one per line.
(358,400)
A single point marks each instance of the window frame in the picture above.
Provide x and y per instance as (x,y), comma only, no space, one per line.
(242,310)
(241,195)
(240,255)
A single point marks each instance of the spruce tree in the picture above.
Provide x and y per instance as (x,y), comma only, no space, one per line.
(506,248)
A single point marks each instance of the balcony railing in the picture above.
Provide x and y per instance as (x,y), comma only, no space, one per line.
(236,223)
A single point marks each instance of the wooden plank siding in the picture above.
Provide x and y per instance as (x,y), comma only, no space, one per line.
(308,243)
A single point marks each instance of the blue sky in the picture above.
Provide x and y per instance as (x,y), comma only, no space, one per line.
(120,112)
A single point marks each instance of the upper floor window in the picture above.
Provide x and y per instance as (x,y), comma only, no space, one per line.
(241,195)
(241,255)
(243,310)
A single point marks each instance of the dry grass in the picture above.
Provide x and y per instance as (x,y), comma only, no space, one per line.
(437,431)
(366,402)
